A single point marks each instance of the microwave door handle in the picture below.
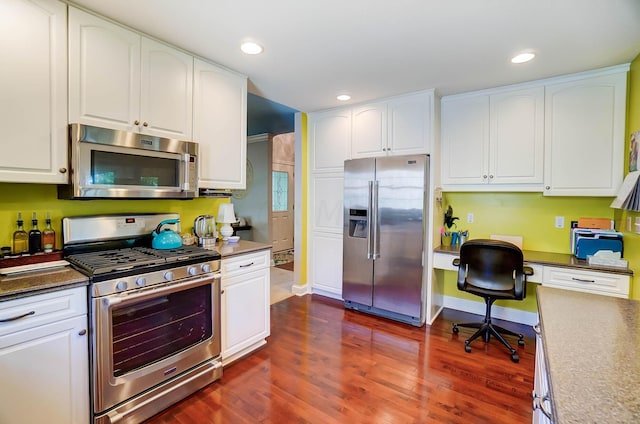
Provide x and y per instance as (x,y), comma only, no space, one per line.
(185,163)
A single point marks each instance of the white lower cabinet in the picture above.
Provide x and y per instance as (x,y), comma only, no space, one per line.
(245,304)
(541,395)
(44,359)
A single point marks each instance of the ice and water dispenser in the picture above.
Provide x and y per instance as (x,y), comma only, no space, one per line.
(358,223)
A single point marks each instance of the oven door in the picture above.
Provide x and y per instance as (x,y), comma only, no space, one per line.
(152,335)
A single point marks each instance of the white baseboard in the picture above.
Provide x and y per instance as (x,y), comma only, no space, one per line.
(499,312)
(300,290)
(326,293)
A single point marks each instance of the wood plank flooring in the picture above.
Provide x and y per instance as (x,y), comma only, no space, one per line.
(324,364)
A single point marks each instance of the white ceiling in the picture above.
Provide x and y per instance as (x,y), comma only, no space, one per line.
(315,50)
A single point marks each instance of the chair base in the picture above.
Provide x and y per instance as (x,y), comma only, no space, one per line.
(486,329)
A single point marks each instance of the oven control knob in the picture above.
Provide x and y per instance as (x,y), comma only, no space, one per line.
(205,268)
(141,281)
(192,270)
(168,276)
(121,286)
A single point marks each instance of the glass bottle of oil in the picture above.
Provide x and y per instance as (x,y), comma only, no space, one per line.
(48,236)
(35,236)
(20,238)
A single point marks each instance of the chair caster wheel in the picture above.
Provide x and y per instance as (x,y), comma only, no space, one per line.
(455,329)
(467,348)
(520,342)
(515,358)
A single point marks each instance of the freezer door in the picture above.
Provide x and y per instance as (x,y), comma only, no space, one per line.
(357,268)
(398,271)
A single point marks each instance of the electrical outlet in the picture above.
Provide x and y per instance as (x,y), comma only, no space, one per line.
(470,218)
(559,221)
(629,224)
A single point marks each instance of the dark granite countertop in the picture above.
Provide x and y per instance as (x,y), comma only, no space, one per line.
(35,282)
(563,260)
(592,352)
(240,247)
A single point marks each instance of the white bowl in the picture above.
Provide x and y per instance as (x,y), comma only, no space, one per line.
(233,239)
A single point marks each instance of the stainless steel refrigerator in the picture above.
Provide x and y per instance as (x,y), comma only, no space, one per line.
(384,228)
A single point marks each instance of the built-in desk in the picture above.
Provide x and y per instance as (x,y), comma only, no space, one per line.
(560,270)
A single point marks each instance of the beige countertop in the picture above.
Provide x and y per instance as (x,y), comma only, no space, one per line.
(34,282)
(227,249)
(592,352)
(563,260)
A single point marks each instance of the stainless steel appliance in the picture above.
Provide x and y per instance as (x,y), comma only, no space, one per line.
(154,315)
(384,228)
(107,163)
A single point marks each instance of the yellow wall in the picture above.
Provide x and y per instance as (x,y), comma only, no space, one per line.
(42,198)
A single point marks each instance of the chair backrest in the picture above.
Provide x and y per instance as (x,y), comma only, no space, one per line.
(492,265)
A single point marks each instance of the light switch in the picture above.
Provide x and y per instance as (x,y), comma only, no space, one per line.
(470,218)
(559,221)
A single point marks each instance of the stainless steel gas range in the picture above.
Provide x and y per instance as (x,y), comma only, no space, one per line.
(154,315)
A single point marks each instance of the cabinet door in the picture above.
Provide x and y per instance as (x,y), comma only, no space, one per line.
(465,140)
(220,126)
(410,120)
(45,374)
(516,140)
(245,311)
(166,98)
(33,41)
(584,136)
(330,139)
(104,73)
(369,131)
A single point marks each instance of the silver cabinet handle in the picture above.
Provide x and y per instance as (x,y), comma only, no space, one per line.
(543,408)
(82,332)
(136,122)
(536,328)
(18,317)
(62,170)
(582,280)
(246,265)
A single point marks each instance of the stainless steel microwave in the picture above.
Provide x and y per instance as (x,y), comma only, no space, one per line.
(106,163)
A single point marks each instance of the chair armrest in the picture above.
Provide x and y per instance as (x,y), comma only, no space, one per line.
(527,270)
(456,262)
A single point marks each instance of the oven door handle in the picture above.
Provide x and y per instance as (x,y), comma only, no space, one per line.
(142,294)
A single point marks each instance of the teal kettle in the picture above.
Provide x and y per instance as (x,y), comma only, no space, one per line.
(167,238)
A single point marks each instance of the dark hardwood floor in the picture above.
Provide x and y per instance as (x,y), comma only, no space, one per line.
(324,364)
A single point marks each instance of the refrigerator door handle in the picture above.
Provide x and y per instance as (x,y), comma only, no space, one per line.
(376,224)
(369,226)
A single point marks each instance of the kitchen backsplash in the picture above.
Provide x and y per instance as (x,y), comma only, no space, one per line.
(42,198)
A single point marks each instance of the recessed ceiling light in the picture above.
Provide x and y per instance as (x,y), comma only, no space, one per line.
(523,57)
(250,47)
(343,97)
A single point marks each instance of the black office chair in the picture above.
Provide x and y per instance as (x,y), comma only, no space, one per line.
(492,269)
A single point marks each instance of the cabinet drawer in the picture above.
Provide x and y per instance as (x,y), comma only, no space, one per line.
(587,281)
(245,263)
(32,311)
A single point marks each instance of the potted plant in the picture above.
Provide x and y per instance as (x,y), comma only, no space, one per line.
(449,222)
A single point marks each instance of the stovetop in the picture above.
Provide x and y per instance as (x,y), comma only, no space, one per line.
(138,258)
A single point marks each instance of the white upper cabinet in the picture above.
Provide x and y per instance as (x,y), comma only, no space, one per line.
(399,126)
(584,136)
(119,79)
(220,126)
(369,130)
(329,139)
(33,41)
(493,141)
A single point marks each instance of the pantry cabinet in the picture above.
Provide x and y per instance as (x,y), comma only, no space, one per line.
(44,359)
(220,126)
(493,141)
(33,41)
(245,303)
(398,126)
(584,134)
(119,79)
